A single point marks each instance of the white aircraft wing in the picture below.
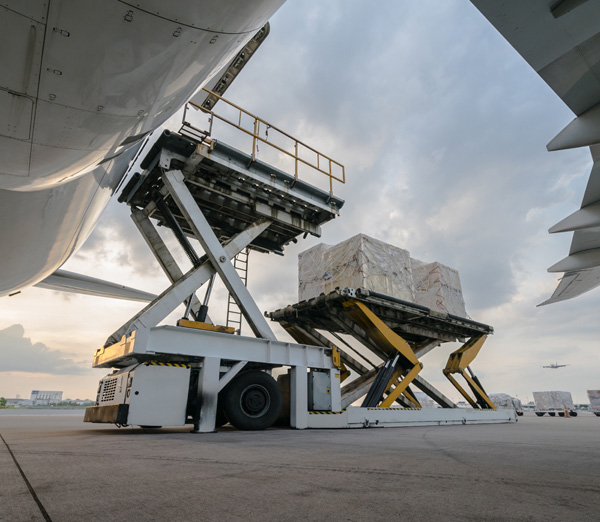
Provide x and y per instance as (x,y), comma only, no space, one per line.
(573,284)
(561,41)
(65,281)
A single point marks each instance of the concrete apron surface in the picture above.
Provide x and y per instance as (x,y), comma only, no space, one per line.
(55,468)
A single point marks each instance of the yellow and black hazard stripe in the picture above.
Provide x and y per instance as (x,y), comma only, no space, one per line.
(324,412)
(176,365)
(395,409)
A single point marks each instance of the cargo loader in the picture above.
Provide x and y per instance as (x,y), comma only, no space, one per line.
(202,374)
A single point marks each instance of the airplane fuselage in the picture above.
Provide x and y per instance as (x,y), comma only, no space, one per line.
(82,83)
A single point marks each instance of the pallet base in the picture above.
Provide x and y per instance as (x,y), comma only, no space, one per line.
(356,417)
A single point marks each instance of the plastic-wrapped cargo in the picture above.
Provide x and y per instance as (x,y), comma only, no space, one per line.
(359,262)
(553,400)
(503,401)
(365,262)
(594,397)
(438,287)
(312,273)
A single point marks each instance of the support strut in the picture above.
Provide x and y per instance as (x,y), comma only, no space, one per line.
(459,362)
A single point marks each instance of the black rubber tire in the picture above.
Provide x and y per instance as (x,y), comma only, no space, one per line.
(573,414)
(221,419)
(520,413)
(252,401)
(540,413)
(552,413)
(597,413)
(561,413)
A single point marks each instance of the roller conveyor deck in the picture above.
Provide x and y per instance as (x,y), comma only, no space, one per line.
(415,323)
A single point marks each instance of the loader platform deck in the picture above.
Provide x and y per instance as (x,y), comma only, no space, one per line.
(233,190)
(413,322)
(397,333)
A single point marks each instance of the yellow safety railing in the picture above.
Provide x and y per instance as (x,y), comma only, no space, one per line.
(323,164)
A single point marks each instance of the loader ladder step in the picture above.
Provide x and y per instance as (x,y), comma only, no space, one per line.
(234,315)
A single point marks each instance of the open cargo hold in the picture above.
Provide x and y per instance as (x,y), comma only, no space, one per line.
(365,262)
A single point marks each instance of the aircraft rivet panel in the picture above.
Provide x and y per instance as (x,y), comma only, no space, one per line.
(241,16)
(21,42)
(32,9)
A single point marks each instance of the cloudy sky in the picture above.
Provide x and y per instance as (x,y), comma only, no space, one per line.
(442,128)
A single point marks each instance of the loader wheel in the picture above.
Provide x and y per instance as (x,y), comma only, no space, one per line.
(552,413)
(573,414)
(221,418)
(597,413)
(252,401)
(540,413)
(561,413)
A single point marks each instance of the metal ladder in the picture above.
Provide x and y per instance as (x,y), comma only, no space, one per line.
(234,315)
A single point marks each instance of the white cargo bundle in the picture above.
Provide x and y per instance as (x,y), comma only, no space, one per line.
(438,287)
(365,262)
(359,262)
(503,401)
(594,397)
(553,400)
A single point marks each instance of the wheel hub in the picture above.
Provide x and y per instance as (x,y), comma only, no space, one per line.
(255,400)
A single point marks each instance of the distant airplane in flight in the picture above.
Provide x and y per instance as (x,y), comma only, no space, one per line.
(554,366)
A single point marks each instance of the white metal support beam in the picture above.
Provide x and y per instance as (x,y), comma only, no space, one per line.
(231,373)
(335,389)
(183,343)
(161,251)
(176,294)
(358,387)
(299,397)
(320,339)
(221,261)
(207,395)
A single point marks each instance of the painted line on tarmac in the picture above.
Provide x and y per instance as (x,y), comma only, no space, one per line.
(27,483)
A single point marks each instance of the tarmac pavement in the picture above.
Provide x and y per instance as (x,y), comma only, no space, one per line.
(56,468)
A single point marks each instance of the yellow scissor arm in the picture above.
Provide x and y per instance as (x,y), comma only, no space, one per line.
(459,362)
(389,342)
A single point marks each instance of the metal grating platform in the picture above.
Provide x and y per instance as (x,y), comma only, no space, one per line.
(233,191)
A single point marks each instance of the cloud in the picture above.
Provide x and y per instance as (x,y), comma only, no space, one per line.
(19,354)
(442,128)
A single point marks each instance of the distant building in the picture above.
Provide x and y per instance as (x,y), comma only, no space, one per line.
(17,403)
(45,397)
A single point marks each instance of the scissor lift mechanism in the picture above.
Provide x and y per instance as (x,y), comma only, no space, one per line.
(229,201)
(397,333)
